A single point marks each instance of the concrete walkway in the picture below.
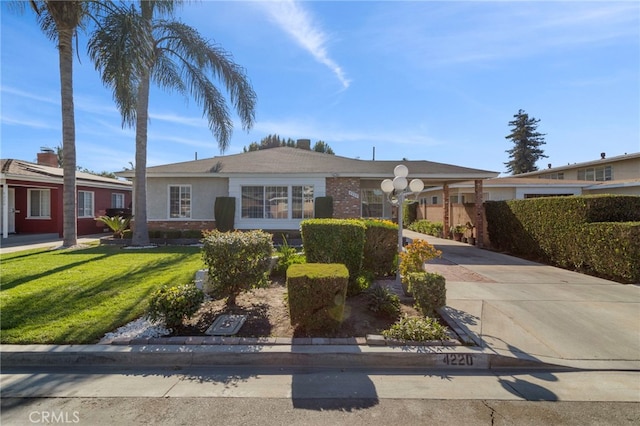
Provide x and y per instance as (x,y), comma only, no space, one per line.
(518,313)
(522,309)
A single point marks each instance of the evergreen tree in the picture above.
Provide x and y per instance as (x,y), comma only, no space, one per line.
(322,146)
(527,142)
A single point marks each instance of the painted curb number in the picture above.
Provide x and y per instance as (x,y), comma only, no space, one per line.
(461,360)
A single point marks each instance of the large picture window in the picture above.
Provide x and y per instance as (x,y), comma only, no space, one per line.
(274,202)
(179,201)
(85,204)
(39,201)
(603,173)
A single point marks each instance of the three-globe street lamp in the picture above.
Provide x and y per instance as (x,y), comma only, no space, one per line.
(396,191)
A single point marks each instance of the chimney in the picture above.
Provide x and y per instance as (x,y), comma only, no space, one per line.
(602,155)
(47,157)
(304,144)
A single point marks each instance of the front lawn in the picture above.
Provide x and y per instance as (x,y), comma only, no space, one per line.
(76,296)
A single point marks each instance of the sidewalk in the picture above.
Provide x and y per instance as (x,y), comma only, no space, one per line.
(518,313)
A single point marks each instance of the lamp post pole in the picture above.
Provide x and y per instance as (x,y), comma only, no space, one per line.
(396,191)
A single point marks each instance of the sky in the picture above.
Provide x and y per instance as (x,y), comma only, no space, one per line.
(421,80)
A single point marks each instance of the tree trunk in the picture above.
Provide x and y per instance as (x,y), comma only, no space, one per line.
(140,229)
(70,210)
(140,235)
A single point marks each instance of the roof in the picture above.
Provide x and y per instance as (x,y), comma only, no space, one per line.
(530,182)
(296,161)
(599,162)
(24,170)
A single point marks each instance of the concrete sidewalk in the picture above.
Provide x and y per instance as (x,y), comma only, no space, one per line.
(518,313)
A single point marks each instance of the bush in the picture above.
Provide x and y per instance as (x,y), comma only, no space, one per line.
(429,291)
(171,305)
(567,231)
(383,302)
(424,226)
(334,241)
(417,330)
(287,256)
(414,256)
(237,261)
(119,225)
(409,213)
(316,296)
(361,282)
(224,210)
(323,207)
(380,247)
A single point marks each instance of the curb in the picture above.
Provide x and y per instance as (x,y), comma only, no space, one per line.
(335,356)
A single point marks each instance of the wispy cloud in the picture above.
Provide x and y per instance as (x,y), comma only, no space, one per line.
(292,18)
(30,123)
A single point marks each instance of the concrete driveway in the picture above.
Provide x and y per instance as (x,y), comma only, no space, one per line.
(527,310)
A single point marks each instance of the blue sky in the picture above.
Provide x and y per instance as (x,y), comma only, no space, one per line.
(424,80)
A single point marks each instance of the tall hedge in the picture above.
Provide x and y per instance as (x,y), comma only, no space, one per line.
(323,207)
(334,241)
(572,232)
(224,212)
(380,247)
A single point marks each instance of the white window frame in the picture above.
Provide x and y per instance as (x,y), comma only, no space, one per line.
(288,203)
(42,191)
(181,216)
(370,196)
(117,200)
(82,209)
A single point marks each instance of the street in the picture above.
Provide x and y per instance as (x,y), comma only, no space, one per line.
(280,395)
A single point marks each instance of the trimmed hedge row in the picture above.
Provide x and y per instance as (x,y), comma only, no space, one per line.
(572,232)
(380,247)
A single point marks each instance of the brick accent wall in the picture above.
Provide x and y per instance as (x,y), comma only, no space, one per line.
(345,205)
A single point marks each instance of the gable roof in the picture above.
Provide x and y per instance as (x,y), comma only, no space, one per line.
(296,161)
(24,170)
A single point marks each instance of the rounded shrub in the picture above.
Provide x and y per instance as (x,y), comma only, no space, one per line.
(429,291)
(171,305)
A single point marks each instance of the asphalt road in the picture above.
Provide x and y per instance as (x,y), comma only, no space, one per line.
(303,396)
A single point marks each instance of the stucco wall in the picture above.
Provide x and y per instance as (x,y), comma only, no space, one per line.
(204,191)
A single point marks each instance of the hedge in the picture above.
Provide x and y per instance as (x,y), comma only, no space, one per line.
(316,294)
(572,232)
(380,247)
(334,241)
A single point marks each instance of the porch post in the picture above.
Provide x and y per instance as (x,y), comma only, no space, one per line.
(447,208)
(5,210)
(479,222)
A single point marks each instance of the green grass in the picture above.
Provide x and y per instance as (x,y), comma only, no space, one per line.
(76,296)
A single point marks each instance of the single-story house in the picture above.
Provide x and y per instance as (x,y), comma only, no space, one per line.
(32,197)
(275,189)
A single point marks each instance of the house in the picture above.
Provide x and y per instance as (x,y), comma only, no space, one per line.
(275,189)
(615,175)
(32,197)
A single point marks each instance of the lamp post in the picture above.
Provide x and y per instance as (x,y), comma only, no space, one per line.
(396,191)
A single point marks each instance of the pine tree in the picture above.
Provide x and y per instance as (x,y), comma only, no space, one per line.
(527,142)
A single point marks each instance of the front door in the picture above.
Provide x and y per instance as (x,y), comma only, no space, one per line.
(11,211)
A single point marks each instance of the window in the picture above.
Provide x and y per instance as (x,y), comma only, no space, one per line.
(602,173)
(302,202)
(434,199)
(179,201)
(272,202)
(555,175)
(85,204)
(39,204)
(457,199)
(117,201)
(372,203)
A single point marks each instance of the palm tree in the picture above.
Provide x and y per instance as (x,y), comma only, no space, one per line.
(133,48)
(59,20)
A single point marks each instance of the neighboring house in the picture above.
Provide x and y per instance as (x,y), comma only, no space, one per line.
(615,175)
(275,189)
(32,197)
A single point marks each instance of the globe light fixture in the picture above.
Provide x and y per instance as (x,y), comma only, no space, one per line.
(396,191)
